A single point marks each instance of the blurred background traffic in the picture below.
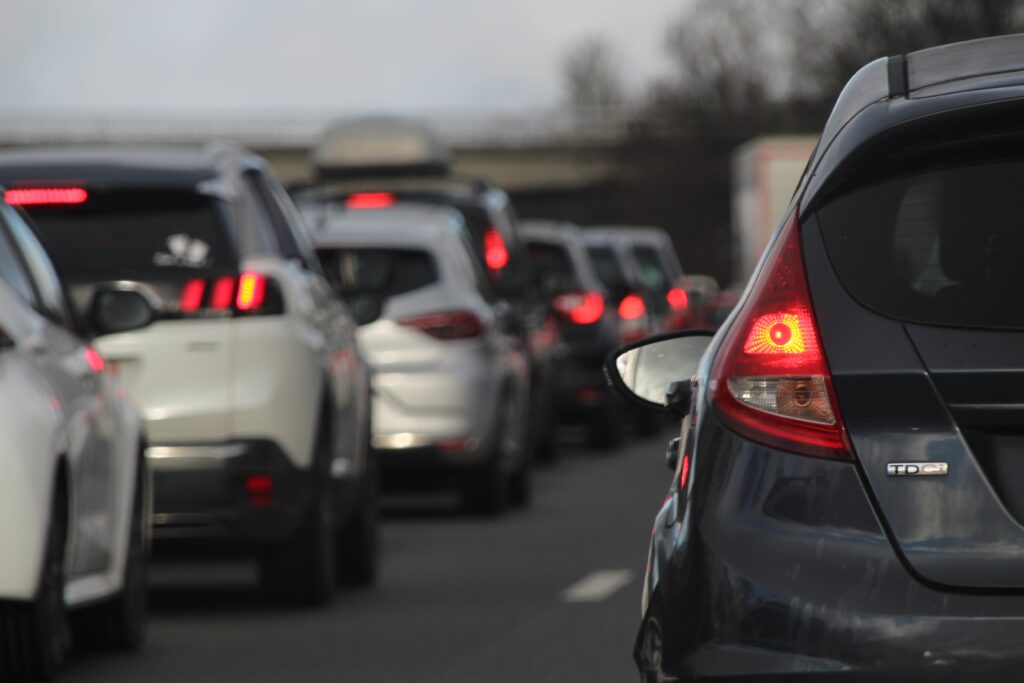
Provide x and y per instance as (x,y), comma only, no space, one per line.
(468,207)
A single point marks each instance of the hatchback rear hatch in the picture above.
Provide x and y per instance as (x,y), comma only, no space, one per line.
(915,260)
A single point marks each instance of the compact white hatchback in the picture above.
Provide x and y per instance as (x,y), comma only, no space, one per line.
(255,398)
(74,489)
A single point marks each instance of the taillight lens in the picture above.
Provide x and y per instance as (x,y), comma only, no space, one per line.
(223,293)
(678,299)
(370,200)
(632,307)
(252,290)
(38,196)
(495,251)
(448,325)
(582,308)
(770,379)
(250,293)
(192,295)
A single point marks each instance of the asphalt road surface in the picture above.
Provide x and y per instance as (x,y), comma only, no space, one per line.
(547,594)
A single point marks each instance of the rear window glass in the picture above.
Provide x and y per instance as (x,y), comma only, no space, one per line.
(553,267)
(136,236)
(652,272)
(941,246)
(606,265)
(383,272)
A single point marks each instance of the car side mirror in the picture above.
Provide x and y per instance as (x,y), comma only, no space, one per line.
(120,310)
(655,372)
(365,309)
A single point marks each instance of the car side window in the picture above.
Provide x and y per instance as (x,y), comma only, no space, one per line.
(291,247)
(294,221)
(48,285)
(12,269)
(256,232)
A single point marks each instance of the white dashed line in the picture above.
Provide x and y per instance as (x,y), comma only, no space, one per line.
(597,586)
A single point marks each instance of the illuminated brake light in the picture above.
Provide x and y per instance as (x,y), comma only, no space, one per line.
(260,488)
(94,360)
(252,288)
(632,307)
(677,298)
(495,251)
(192,295)
(447,326)
(771,381)
(370,200)
(223,293)
(35,196)
(582,308)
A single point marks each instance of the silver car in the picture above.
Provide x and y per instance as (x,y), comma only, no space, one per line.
(450,378)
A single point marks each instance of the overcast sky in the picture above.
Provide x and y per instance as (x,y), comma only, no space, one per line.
(359,55)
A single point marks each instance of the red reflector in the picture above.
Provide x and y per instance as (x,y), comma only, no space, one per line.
(260,488)
(582,308)
(192,295)
(370,200)
(455,445)
(252,287)
(589,396)
(223,293)
(45,195)
(94,359)
(632,307)
(684,473)
(453,325)
(495,251)
(677,298)
(771,380)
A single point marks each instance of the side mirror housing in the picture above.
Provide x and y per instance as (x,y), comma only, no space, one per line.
(655,372)
(120,310)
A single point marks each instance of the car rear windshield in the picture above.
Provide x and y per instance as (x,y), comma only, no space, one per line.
(553,267)
(381,272)
(607,267)
(940,245)
(136,236)
(652,271)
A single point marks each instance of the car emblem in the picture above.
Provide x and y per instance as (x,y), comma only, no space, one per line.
(917,469)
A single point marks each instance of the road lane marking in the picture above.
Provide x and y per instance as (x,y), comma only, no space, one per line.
(597,586)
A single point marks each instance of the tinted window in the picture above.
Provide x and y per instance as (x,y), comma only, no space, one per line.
(941,246)
(51,292)
(12,270)
(385,272)
(553,267)
(606,265)
(652,272)
(136,236)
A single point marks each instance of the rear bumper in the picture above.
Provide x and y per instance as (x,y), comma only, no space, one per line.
(778,566)
(200,493)
(583,392)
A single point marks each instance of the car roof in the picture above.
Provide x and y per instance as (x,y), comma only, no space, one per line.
(407,225)
(634,233)
(559,231)
(119,165)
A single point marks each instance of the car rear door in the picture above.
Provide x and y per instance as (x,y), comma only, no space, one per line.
(914,266)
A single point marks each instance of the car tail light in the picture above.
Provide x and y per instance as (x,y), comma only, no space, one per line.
(192,295)
(449,325)
(252,290)
(677,298)
(94,359)
(495,251)
(582,308)
(370,200)
(37,196)
(632,307)
(260,488)
(223,293)
(770,379)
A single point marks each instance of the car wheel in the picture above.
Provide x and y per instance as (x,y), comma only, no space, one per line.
(35,637)
(120,623)
(488,490)
(300,570)
(521,485)
(357,542)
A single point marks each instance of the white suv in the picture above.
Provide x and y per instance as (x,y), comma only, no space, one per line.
(73,484)
(255,398)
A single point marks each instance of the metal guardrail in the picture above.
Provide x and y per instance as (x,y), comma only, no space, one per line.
(298,129)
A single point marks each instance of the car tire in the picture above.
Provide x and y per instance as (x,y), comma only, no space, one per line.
(488,490)
(120,623)
(300,571)
(357,545)
(521,486)
(35,637)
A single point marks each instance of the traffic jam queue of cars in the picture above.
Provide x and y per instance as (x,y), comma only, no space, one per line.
(194,360)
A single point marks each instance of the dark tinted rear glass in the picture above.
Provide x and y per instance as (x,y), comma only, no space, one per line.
(652,272)
(383,272)
(607,267)
(553,267)
(136,236)
(938,246)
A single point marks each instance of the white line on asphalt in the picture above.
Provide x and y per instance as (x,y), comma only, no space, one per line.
(597,586)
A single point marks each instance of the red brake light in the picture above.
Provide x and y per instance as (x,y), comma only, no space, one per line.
(192,295)
(632,307)
(27,196)
(495,251)
(260,488)
(449,325)
(771,380)
(677,298)
(252,288)
(223,293)
(370,200)
(582,308)
(94,359)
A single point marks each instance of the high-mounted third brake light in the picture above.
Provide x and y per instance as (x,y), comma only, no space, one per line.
(770,379)
(370,200)
(495,251)
(38,196)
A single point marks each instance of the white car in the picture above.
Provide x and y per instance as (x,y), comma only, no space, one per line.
(73,482)
(451,380)
(255,398)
